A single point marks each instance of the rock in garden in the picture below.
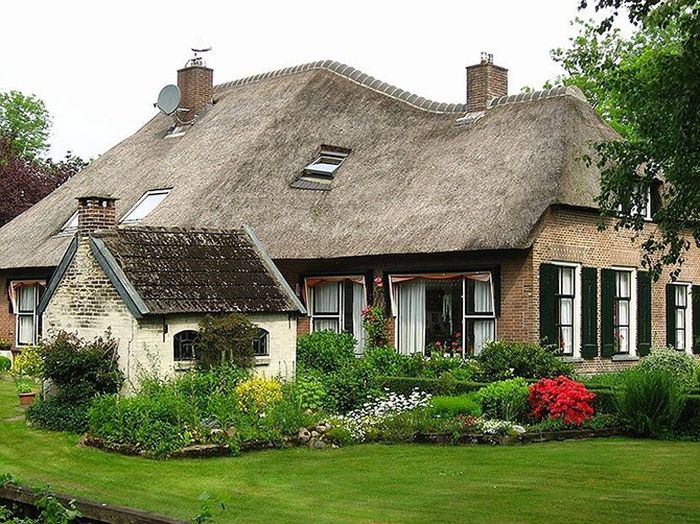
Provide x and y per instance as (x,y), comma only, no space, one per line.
(304,435)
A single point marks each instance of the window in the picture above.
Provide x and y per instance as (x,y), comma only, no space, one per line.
(319,173)
(261,343)
(682,339)
(624,312)
(336,304)
(184,344)
(443,312)
(71,226)
(646,211)
(566,300)
(146,204)
(26,299)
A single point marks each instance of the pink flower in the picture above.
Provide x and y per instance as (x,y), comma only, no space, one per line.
(379,282)
(438,344)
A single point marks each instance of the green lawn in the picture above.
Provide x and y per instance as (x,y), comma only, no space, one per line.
(607,480)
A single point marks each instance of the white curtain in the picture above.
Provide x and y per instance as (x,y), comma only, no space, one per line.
(566,316)
(482,297)
(25,324)
(484,331)
(359,302)
(411,316)
(566,283)
(26,300)
(326,297)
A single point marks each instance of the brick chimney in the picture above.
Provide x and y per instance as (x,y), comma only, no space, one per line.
(96,212)
(196,83)
(485,81)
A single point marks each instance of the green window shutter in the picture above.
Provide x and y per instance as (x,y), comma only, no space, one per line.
(643,313)
(696,319)
(607,313)
(589,313)
(548,288)
(670,315)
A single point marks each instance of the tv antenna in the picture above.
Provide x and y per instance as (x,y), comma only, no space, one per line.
(197,60)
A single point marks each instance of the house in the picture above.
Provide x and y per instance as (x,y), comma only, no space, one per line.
(150,288)
(469,222)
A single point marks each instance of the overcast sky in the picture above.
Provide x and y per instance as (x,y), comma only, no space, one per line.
(99,66)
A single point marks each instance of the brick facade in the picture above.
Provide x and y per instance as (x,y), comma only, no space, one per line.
(485,81)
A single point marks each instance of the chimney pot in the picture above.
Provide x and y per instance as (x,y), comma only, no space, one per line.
(96,212)
(485,81)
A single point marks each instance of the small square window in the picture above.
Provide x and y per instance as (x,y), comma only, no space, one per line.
(319,173)
(71,226)
(146,204)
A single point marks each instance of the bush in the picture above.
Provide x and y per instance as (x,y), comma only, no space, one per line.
(374,323)
(505,400)
(561,398)
(5,364)
(650,402)
(311,391)
(501,360)
(350,386)
(385,360)
(28,362)
(56,414)
(454,406)
(5,345)
(678,363)
(603,380)
(689,421)
(225,341)
(258,394)
(325,351)
(447,386)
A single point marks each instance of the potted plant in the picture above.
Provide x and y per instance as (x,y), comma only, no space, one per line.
(24,390)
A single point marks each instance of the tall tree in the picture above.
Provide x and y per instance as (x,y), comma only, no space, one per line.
(648,87)
(24,123)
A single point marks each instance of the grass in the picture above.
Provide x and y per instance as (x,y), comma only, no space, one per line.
(607,480)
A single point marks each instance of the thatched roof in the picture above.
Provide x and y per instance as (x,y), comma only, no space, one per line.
(415,180)
(167,270)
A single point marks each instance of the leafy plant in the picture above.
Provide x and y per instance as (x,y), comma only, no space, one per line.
(561,398)
(226,340)
(680,364)
(58,415)
(257,394)
(501,360)
(5,345)
(28,362)
(505,400)
(5,364)
(374,323)
(24,385)
(311,391)
(469,404)
(325,351)
(650,402)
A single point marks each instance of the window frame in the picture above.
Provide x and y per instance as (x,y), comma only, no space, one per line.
(473,317)
(67,229)
(28,313)
(576,313)
(338,315)
(632,311)
(688,316)
(177,341)
(262,335)
(151,192)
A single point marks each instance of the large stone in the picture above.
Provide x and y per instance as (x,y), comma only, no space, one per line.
(304,435)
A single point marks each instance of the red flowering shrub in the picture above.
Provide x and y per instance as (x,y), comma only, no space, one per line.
(561,398)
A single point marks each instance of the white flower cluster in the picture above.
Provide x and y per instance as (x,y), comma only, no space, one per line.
(374,411)
(493,426)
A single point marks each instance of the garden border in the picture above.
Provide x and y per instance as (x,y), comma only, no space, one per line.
(524,438)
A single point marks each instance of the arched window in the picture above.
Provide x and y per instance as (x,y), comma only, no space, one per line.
(183,345)
(261,343)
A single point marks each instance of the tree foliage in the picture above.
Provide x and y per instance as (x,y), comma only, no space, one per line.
(24,123)
(648,87)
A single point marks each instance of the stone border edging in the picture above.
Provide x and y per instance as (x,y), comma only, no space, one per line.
(526,438)
(92,512)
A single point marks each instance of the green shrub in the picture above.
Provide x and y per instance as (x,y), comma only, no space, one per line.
(349,386)
(604,401)
(689,421)
(678,363)
(325,351)
(604,380)
(28,362)
(311,391)
(505,400)
(5,345)
(225,340)
(56,414)
(5,364)
(650,402)
(468,404)
(385,360)
(502,360)
(437,365)
(446,386)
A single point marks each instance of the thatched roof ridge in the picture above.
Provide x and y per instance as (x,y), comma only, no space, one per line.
(357,76)
(414,181)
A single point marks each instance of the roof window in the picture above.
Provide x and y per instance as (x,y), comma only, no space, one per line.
(71,226)
(319,173)
(145,205)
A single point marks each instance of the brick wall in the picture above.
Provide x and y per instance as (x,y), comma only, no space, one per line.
(484,82)
(196,84)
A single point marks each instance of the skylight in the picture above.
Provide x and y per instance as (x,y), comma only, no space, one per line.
(146,204)
(319,173)
(72,225)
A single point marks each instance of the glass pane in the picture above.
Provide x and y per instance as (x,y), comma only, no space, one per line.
(566,281)
(566,339)
(443,314)
(482,332)
(72,223)
(325,324)
(566,311)
(260,343)
(327,297)
(622,284)
(622,337)
(623,312)
(25,331)
(144,208)
(680,339)
(411,320)
(681,296)
(26,298)
(482,297)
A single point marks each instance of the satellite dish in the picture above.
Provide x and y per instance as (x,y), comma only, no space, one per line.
(169,99)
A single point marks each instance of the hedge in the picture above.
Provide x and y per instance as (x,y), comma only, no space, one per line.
(689,423)
(435,386)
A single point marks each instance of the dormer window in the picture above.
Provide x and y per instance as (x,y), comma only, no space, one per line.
(319,173)
(71,226)
(145,205)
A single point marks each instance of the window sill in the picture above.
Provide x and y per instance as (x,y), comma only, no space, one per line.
(624,357)
(184,365)
(570,358)
(262,361)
